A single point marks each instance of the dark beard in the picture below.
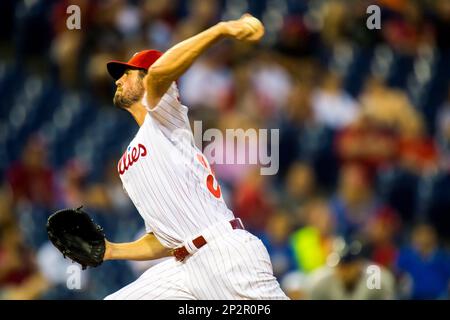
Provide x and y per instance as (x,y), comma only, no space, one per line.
(124,102)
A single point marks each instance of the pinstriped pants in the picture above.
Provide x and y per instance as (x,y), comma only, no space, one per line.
(233,265)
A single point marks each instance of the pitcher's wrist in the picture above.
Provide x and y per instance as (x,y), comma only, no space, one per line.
(108,251)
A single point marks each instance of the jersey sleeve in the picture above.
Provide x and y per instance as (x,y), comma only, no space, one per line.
(169,113)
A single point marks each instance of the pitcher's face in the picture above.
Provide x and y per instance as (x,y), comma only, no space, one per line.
(130,89)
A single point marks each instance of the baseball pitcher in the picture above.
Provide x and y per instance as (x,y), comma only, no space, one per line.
(171,184)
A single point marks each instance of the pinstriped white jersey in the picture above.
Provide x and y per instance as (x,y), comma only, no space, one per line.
(167,177)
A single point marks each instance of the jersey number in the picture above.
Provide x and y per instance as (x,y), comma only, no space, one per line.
(210,179)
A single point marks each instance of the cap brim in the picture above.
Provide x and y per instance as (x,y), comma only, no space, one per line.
(117,68)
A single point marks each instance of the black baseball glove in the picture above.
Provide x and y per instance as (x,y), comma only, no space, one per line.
(77,236)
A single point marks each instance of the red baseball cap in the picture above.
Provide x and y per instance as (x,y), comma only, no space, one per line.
(140,60)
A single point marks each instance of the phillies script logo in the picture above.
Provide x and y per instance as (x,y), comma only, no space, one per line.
(131,156)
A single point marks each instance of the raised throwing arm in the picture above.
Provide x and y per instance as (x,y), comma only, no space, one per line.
(173,63)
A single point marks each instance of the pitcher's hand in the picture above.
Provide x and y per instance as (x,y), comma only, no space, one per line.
(247,28)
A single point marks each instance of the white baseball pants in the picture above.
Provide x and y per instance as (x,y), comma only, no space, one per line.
(234,264)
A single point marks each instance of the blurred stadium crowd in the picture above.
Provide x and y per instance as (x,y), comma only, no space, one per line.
(364,119)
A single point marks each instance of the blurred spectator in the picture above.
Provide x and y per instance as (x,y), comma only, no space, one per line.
(31,178)
(252,203)
(303,137)
(391,110)
(160,23)
(128,19)
(202,14)
(73,189)
(349,280)
(271,84)
(300,185)
(355,200)
(314,242)
(419,154)
(334,15)
(208,83)
(365,142)
(332,106)
(276,240)
(408,28)
(294,127)
(425,265)
(381,231)
(19,277)
(296,37)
